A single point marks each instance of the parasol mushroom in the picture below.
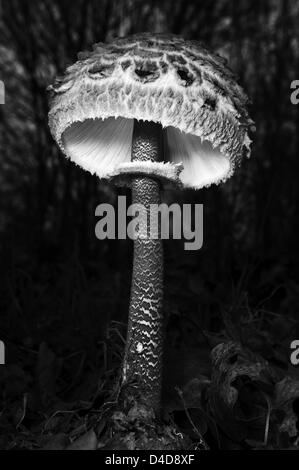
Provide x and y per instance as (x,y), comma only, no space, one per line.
(150,109)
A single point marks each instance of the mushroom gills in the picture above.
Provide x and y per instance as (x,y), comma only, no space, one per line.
(102,145)
(203,164)
(99,145)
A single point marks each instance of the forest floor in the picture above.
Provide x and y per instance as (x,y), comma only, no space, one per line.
(228,379)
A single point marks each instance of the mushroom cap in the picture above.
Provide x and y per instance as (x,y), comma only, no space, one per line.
(152,77)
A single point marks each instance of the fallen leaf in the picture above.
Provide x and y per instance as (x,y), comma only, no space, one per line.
(86,442)
(58,442)
(239,382)
(286,392)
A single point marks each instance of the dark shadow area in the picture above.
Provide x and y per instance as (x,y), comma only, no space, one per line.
(64,295)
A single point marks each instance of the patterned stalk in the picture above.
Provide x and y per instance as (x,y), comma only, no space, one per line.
(143,355)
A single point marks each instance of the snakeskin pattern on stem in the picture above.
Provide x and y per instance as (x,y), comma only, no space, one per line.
(143,356)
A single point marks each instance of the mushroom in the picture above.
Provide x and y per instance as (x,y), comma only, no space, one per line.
(147,110)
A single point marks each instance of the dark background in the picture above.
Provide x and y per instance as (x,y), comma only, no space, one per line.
(64,294)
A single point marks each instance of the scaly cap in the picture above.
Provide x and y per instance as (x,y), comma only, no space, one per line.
(160,78)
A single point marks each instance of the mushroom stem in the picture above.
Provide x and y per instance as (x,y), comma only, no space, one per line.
(143,355)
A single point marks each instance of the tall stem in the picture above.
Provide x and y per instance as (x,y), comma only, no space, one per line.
(143,355)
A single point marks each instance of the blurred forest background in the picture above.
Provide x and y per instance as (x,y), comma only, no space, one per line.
(64,294)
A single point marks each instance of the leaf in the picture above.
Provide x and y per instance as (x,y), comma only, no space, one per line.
(237,393)
(58,442)
(86,442)
(193,391)
(286,392)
